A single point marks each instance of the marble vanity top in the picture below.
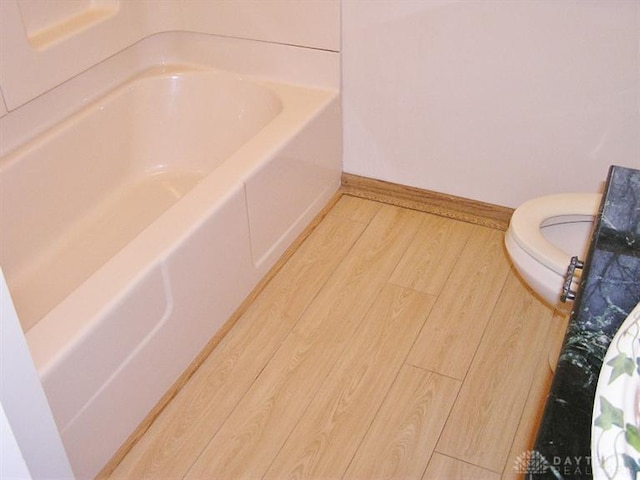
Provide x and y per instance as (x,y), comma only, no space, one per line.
(609,290)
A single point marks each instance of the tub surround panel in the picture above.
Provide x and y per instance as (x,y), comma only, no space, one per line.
(44,43)
(28,72)
(47,23)
(316,22)
(609,290)
(273,61)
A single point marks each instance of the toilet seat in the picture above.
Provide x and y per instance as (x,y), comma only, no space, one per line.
(531,216)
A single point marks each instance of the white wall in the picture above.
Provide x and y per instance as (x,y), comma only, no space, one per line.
(498,101)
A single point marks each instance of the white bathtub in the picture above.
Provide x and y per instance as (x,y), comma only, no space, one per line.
(132,230)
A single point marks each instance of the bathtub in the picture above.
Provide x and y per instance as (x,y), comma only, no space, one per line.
(134,228)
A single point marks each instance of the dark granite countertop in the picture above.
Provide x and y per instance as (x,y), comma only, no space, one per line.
(609,290)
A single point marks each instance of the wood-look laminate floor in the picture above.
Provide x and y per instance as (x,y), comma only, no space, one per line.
(392,344)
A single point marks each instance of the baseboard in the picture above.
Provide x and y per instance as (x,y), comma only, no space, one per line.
(458,208)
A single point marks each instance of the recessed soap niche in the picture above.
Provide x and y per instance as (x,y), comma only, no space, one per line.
(48,22)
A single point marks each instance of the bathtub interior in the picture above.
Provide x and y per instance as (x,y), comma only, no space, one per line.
(136,227)
(98,179)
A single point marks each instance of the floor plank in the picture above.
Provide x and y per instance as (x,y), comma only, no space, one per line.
(534,408)
(432,254)
(403,435)
(452,333)
(442,467)
(486,414)
(355,209)
(328,434)
(257,428)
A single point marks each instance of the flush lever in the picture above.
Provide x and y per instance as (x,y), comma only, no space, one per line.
(567,293)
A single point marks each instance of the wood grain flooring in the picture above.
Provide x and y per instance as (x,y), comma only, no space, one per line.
(392,344)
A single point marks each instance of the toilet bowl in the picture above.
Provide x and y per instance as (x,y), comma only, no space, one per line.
(543,235)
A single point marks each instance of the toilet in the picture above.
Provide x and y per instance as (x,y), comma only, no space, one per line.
(543,235)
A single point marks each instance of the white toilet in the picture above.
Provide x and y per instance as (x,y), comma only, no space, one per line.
(545,233)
